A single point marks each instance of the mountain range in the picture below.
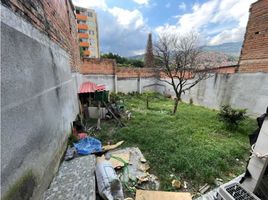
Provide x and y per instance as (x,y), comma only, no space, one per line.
(232,48)
(217,55)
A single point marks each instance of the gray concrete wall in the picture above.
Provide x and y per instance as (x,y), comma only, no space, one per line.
(107,80)
(240,90)
(124,85)
(38,102)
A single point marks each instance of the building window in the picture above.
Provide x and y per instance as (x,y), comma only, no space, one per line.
(90,14)
(83,40)
(91,32)
(85,48)
(81,22)
(92,50)
(77,11)
(92,41)
(90,23)
(81,31)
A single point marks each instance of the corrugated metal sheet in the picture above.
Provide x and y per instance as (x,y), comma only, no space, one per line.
(89,87)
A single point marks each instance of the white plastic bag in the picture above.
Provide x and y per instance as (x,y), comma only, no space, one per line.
(109,185)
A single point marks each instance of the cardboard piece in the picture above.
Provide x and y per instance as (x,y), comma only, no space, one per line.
(158,195)
(116,163)
(111,147)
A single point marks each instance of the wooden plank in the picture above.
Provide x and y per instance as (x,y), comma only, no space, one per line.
(111,147)
(159,195)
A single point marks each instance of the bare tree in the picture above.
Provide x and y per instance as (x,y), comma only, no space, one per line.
(149,56)
(177,58)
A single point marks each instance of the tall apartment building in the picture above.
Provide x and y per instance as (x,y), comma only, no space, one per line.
(87,25)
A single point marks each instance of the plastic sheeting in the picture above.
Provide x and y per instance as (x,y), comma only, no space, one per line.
(88,145)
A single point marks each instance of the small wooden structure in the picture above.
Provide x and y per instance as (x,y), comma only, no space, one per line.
(91,99)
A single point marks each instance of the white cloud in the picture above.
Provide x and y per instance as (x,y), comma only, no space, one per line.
(142,2)
(230,35)
(121,30)
(182,6)
(128,18)
(191,21)
(91,4)
(210,17)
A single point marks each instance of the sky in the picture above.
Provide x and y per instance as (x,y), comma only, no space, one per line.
(124,24)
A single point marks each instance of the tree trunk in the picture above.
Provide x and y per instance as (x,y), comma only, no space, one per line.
(176,102)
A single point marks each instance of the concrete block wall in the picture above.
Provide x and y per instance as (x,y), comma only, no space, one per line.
(240,90)
(38,102)
(116,84)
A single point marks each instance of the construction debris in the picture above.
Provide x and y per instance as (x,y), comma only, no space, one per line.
(118,160)
(116,115)
(111,147)
(204,188)
(70,153)
(185,184)
(159,195)
(144,167)
(109,185)
(143,160)
(135,174)
(142,179)
(176,184)
(218,181)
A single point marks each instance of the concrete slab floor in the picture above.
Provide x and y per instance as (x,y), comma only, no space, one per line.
(75,180)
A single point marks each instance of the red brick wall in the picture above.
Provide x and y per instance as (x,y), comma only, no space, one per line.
(224,69)
(125,72)
(254,53)
(98,66)
(109,67)
(55,18)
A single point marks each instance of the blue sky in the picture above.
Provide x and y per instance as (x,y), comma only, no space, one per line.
(125,24)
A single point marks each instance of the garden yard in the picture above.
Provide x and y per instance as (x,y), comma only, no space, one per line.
(192,145)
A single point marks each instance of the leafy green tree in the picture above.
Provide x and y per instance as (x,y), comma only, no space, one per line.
(122,61)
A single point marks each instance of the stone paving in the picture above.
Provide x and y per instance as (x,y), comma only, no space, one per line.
(75,180)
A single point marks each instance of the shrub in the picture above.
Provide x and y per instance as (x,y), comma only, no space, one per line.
(114,97)
(191,101)
(230,116)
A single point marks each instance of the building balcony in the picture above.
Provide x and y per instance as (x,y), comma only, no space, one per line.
(84,44)
(83,35)
(82,26)
(81,17)
(86,53)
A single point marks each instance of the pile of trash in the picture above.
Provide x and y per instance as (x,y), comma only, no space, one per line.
(120,173)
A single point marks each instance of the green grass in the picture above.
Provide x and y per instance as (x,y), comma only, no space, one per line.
(192,144)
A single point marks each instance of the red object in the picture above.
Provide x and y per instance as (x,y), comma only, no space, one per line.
(89,87)
(82,135)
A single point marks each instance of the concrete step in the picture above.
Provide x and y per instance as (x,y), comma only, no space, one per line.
(75,180)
